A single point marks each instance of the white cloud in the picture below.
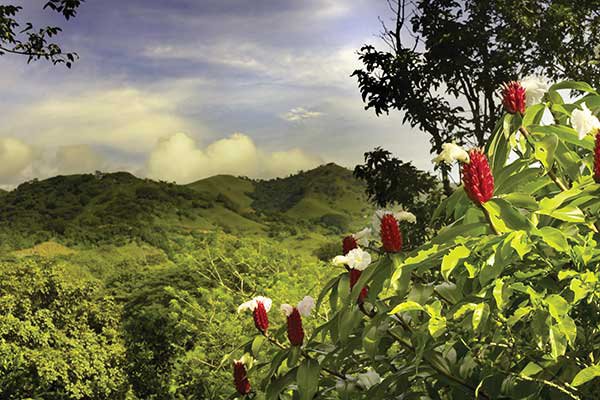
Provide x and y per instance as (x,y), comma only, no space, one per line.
(300,114)
(126,118)
(15,157)
(179,158)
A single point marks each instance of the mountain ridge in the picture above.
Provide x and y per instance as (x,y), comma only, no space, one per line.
(104,207)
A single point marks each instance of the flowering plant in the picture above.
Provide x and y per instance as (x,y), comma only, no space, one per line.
(503,303)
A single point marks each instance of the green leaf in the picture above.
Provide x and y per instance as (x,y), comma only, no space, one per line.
(554,238)
(451,259)
(557,306)
(279,384)
(558,342)
(407,306)
(257,344)
(479,314)
(567,134)
(437,323)
(533,114)
(567,214)
(531,369)
(519,241)
(308,378)
(544,150)
(505,217)
(574,85)
(498,293)
(586,375)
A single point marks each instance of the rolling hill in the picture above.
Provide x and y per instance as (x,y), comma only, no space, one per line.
(88,209)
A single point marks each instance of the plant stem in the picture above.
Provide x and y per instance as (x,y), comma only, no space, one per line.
(304,353)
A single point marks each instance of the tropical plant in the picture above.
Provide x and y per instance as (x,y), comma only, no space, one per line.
(503,303)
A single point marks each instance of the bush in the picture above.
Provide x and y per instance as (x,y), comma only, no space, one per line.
(503,303)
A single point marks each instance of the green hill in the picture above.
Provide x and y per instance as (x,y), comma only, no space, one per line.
(101,208)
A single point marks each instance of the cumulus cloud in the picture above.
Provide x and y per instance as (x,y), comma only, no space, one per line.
(300,114)
(179,158)
(15,157)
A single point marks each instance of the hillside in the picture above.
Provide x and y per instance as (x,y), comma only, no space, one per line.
(116,207)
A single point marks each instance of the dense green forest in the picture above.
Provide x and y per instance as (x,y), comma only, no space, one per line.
(115,287)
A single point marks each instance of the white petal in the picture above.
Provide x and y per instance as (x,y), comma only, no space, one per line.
(535,89)
(363,237)
(358,259)
(306,305)
(369,379)
(451,153)
(405,216)
(339,260)
(267,302)
(286,309)
(249,305)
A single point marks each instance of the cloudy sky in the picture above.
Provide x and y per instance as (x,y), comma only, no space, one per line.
(184,89)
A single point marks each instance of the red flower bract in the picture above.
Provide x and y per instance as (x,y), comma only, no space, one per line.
(349,243)
(477,177)
(597,158)
(390,234)
(261,319)
(354,276)
(294,328)
(240,378)
(513,97)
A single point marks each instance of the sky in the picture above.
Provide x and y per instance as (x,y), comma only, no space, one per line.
(180,90)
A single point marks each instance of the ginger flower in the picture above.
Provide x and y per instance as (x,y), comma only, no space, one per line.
(294,316)
(450,153)
(259,306)
(477,178)
(240,377)
(513,97)
(583,121)
(355,259)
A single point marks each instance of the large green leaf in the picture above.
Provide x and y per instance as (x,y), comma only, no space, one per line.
(451,259)
(574,85)
(586,375)
(505,217)
(308,378)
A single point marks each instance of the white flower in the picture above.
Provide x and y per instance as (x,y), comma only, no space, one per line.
(252,304)
(450,153)
(363,237)
(369,379)
(583,121)
(405,216)
(535,89)
(597,51)
(355,259)
(286,309)
(305,306)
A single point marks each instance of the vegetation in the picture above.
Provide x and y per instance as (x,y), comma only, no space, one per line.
(115,287)
(445,60)
(501,304)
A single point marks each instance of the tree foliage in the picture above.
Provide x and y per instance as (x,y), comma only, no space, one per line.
(35,42)
(445,60)
(392,182)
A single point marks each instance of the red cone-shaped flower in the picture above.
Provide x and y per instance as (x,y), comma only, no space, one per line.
(513,97)
(294,328)
(477,177)
(390,234)
(597,158)
(349,244)
(240,378)
(261,319)
(354,276)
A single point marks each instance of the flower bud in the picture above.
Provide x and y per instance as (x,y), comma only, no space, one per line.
(259,306)
(513,97)
(294,328)
(477,177)
(261,319)
(240,378)
(349,244)
(390,234)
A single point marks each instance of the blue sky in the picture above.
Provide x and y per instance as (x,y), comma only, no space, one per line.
(184,89)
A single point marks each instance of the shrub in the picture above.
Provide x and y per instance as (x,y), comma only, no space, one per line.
(503,303)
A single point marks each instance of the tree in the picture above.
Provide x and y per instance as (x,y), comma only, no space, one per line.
(391,181)
(446,59)
(35,43)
